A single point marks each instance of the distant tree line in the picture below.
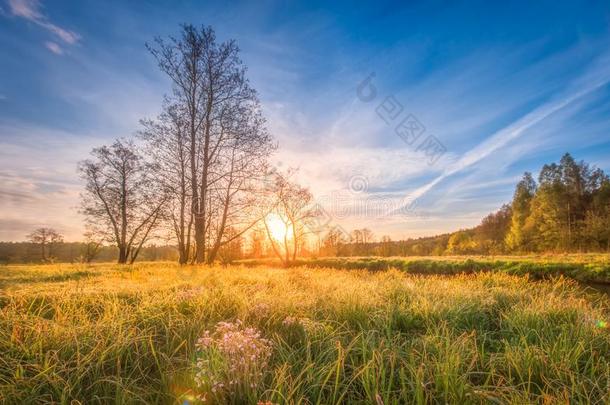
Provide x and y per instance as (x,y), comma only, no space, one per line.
(567,210)
(75,252)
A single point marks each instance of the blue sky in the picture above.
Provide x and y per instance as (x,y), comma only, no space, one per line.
(504,88)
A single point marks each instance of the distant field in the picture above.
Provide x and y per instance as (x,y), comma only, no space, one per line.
(589,268)
(117,334)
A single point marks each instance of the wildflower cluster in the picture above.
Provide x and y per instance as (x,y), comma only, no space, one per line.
(232,361)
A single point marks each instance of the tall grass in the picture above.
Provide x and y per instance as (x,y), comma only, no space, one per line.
(111,334)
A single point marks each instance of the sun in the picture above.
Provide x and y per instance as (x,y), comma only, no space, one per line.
(277,227)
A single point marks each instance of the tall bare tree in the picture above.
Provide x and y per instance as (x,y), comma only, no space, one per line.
(236,179)
(168,145)
(122,201)
(45,237)
(225,133)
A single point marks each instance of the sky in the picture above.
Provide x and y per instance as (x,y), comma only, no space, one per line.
(410,118)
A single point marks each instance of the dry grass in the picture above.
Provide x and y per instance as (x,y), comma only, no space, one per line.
(118,334)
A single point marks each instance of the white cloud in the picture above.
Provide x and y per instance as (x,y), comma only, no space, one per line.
(31,11)
(53,47)
(28,9)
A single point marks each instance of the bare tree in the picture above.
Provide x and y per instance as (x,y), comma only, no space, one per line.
(122,201)
(45,237)
(361,240)
(235,181)
(333,240)
(231,251)
(168,144)
(257,243)
(386,246)
(91,247)
(290,204)
(225,134)
(367,239)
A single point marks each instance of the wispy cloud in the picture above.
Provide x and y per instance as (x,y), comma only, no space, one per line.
(53,47)
(591,80)
(31,10)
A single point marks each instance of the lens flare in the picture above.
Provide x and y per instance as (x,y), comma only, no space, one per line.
(277,228)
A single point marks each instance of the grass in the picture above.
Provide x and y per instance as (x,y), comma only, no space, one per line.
(74,334)
(588,268)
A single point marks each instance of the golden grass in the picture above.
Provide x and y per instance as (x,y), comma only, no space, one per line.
(118,334)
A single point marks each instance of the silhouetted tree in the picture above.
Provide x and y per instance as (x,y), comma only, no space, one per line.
(91,247)
(226,139)
(122,201)
(167,143)
(45,237)
(361,240)
(333,241)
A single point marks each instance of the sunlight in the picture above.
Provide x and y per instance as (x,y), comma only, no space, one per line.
(277,227)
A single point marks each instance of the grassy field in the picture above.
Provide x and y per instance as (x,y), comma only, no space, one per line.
(588,268)
(75,334)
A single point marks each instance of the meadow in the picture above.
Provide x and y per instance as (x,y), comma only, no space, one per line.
(161,333)
(591,268)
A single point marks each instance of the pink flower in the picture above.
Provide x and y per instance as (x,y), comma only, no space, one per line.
(244,354)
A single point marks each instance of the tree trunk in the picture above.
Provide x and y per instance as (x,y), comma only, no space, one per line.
(200,228)
(199,239)
(182,244)
(123,248)
(122,255)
